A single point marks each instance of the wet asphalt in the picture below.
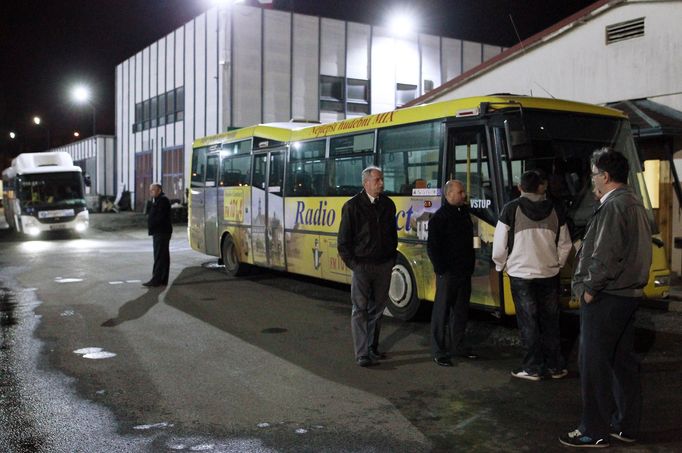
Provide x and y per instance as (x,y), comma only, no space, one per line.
(92,362)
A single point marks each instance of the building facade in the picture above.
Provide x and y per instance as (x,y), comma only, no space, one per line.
(238,66)
(620,53)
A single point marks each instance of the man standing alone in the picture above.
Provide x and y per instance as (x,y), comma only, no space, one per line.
(160,228)
(367,243)
(532,244)
(613,267)
(451,250)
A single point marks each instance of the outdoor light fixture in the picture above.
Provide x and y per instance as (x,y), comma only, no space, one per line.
(12,135)
(82,95)
(76,134)
(37,120)
(401,23)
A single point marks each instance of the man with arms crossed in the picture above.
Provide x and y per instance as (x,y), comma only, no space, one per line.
(613,267)
(367,243)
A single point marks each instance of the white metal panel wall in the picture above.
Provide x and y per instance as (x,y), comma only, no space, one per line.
(121,112)
(383,81)
(578,64)
(332,47)
(179,81)
(246,68)
(155,136)
(451,57)
(225,69)
(406,58)
(277,66)
(189,73)
(490,51)
(359,38)
(471,55)
(212,80)
(169,84)
(128,146)
(430,60)
(305,72)
(200,67)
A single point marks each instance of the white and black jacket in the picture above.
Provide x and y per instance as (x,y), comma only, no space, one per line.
(531,238)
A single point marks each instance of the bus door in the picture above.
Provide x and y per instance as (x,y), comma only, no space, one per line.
(468,159)
(267,208)
(196,200)
(211,233)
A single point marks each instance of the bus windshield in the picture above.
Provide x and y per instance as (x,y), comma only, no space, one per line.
(561,144)
(51,189)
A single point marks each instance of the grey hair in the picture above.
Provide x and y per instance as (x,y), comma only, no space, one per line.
(157,184)
(367,171)
(450,184)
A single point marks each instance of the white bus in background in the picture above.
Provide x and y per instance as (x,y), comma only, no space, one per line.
(44,192)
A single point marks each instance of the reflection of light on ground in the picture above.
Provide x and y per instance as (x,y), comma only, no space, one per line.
(83,244)
(35,246)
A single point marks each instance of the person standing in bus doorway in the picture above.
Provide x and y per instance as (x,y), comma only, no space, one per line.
(160,228)
(367,243)
(450,247)
(613,268)
(532,244)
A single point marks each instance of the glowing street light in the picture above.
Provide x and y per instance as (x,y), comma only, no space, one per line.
(37,120)
(81,94)
(76,134)
(401,24)
(12,135)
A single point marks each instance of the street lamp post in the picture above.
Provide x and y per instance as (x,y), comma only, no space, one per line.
(38,121)
(81,94)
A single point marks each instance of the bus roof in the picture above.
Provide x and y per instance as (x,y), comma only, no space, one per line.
(465,107)
(273,131)
(36,163)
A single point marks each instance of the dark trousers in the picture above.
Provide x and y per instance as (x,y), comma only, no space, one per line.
(609,368)
(161,258)
(537,315)
(450,314)
(369,295)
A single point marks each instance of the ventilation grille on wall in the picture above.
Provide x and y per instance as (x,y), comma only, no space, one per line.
(625,30)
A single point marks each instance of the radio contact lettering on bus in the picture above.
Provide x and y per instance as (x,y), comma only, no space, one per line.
(319,216)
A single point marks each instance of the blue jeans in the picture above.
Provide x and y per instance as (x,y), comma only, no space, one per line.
(537,315)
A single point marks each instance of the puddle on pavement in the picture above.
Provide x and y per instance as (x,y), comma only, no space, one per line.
(8,304)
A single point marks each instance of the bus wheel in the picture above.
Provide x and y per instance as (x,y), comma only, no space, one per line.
(233,267)
(404,303)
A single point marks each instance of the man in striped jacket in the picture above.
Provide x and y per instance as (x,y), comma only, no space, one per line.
(532,244)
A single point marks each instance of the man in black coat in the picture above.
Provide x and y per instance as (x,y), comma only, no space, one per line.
(160,228)
(367,244)
(451,250)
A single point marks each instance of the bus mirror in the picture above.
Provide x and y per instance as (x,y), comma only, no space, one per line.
(86,180)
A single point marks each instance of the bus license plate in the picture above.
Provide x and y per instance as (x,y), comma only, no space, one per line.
(58,226)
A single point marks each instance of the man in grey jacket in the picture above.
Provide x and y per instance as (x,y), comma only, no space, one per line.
(613,267)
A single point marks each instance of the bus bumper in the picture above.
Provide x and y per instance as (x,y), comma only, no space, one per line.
(33,227)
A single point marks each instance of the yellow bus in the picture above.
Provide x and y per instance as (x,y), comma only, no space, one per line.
(271,195)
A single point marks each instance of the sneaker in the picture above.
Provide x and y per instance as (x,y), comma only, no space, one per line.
(523,374)
(622,436)
(580,440)
(558,373)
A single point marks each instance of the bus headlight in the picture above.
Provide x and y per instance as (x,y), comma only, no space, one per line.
(662,280)
(33,231)
(81,226)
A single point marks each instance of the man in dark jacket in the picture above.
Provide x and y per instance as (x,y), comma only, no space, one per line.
(367,244)
(612,270)
(160,228)
(451,250)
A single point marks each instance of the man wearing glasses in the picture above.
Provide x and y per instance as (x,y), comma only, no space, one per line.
(613,267)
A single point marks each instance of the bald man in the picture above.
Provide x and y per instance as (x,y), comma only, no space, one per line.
(451,250)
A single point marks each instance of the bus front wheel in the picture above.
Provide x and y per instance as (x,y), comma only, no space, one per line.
(404,303)
(233,267)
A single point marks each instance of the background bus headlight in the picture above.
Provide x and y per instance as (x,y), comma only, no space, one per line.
(33,231)
(81,226)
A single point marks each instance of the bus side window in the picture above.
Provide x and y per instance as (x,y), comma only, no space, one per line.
(409,156)
(198,167)
(349,155)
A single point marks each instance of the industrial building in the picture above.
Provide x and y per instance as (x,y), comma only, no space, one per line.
(238,65)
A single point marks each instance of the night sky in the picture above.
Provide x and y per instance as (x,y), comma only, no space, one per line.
(48,46)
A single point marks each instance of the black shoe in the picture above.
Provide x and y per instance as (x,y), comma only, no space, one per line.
(149,283)
(442,361)
(375,354)
(622,436)
(364,361)
(580,440)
